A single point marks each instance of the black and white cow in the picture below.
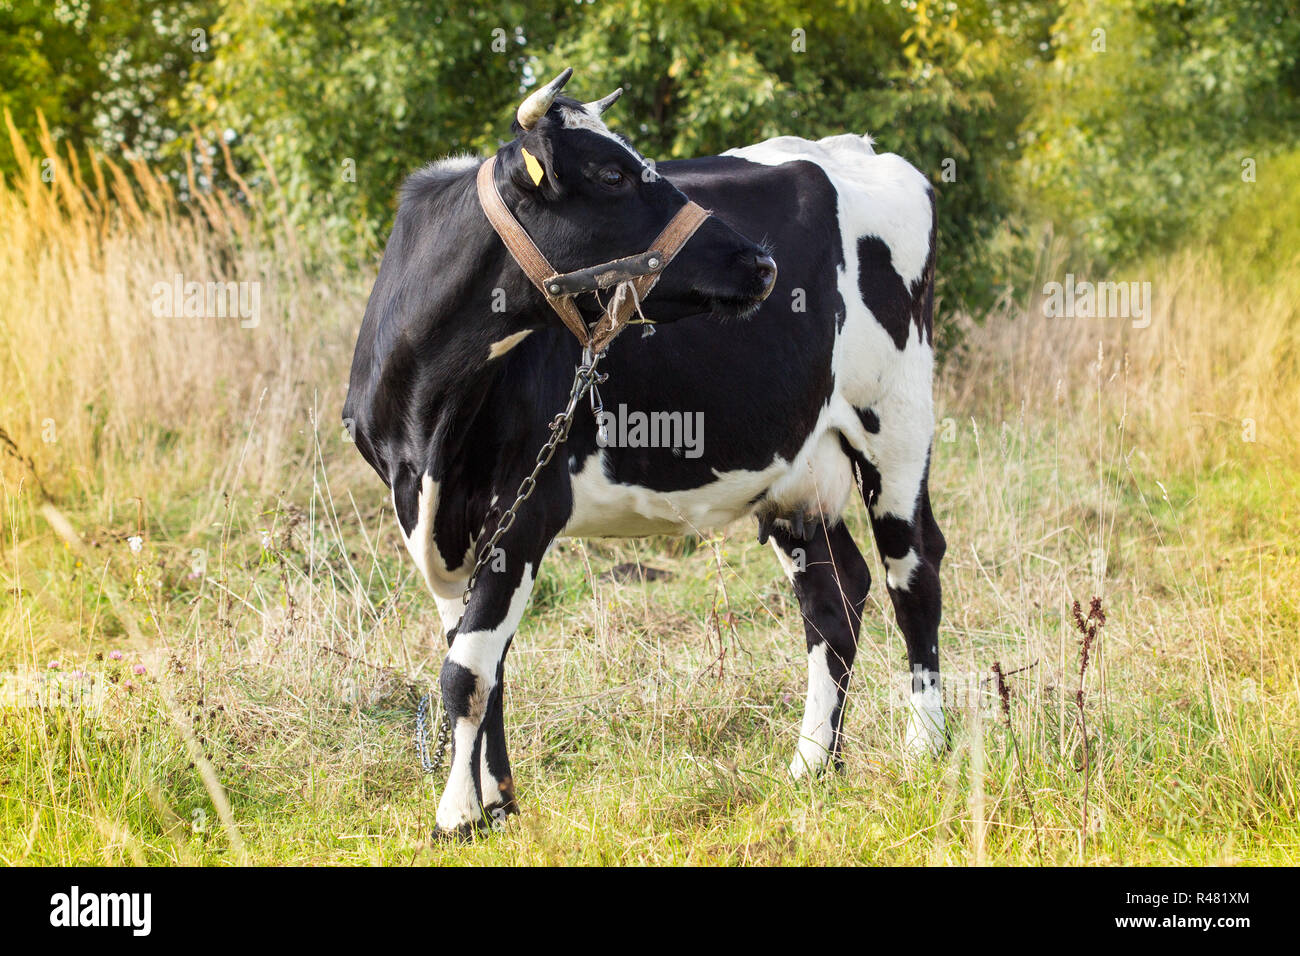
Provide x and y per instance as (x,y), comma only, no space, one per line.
(806,389)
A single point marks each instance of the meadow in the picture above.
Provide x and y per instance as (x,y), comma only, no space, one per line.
(187,532)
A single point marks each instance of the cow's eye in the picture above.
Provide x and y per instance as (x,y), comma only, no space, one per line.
(611,176)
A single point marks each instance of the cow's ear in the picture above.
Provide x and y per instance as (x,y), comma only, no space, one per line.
(529,163)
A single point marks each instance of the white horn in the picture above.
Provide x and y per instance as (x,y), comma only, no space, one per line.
(539,101)
(599,106)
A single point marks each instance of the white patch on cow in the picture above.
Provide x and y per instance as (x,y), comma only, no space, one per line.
(900,449)
(457,163)
(489,785)
(880,194)
(444,583)
(450,610)
(498,349)
(818,731)
(898,571)
(817,481)
(603,508)
(459,803)
(925,730)
(479,652)
(820,478)
(462,162)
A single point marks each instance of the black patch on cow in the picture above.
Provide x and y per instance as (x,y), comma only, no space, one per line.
(761,382)
(458,684)
(894,535)
(895,305)
(406,499)
(883,289)
(870,420)
(867,476)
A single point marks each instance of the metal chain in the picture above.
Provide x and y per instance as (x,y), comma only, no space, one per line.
(585,379)
(422,737)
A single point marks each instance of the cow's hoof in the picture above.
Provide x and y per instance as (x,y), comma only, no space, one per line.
(498,812)
(809,761)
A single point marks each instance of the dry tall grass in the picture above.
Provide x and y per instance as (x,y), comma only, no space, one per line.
(104,393)
(283,634)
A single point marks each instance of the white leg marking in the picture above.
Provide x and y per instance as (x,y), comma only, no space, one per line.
(898,571)
(459,803)
(491,789)
(787,563)
(925,733)
(479,651)
(451,610)
(818,732)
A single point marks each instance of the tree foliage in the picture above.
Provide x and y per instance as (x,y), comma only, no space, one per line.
(325,89)
(1011,108)
(1148,110)
(104,73)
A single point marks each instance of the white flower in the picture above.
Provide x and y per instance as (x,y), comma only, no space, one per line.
(136,542)
(266,540)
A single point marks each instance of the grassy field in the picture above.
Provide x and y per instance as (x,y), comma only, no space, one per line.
(187,532)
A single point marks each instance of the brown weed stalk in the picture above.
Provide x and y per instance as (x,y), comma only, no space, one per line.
(1004,700)
(1088,627)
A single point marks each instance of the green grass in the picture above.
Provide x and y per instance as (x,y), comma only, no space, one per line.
(285,639)
(653,722)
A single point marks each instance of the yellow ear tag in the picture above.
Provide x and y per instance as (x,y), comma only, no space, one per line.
(534,167)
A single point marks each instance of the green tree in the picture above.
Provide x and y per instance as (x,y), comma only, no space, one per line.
(1148,111)
(345,98)
(105,73)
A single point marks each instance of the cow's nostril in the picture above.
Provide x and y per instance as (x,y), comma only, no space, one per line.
(766,268)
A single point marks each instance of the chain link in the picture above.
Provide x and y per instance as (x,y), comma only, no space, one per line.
(422,737)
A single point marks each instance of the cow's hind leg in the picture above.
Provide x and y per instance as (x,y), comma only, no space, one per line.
(895,484)
(831,581)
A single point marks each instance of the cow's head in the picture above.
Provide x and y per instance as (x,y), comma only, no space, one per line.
(587,197)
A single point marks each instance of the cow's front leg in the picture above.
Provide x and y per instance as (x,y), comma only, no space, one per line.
(496,784)
(471,678)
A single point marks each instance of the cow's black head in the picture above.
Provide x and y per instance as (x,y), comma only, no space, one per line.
(587,197)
